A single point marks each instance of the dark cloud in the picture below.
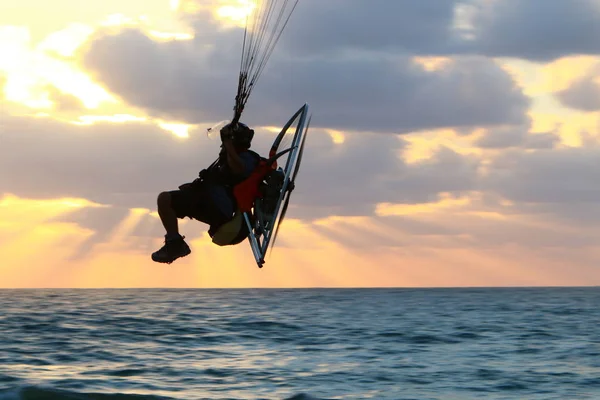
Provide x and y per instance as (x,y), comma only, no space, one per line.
(178,79)
(351,179)
(541,140)
(345,179)
(357,77)
(553,176)
(584,94)
(409,26)
(517,136)
(445,172)
(127,165)
(538,30)
(392,95)
(196,81)
(502,138)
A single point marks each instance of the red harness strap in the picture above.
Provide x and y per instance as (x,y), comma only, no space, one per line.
(247,191)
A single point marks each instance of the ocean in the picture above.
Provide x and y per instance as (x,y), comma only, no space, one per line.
(138,344)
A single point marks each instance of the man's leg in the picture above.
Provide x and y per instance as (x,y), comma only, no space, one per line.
(172,205)
(167,215)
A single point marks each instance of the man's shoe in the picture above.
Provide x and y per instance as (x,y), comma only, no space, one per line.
(172,250)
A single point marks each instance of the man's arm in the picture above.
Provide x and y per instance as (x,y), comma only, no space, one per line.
(233,159)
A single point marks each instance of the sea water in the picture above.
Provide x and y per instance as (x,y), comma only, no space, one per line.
(514,343)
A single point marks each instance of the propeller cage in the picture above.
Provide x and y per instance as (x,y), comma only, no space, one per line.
(275,189)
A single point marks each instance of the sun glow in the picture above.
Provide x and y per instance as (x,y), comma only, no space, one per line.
(423,145)
(118,261)
(27,224)
(117,118)
(228,12)
(337,137)
(34,73)
(553,77)
(446,202)
(65,42)
(236,12)
(179,130)
(432,63)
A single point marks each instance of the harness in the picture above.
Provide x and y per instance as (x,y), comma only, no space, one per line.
(220,173)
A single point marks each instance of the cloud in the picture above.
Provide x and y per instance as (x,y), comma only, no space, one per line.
(101,221)
(351,179)
(64,101)
(126,165)
(356,80)
(480,224)
(119,164)
(195,81)
(122,166)
(517,136)
(583,94)
(541,140)
(176,79)
(538,30)
(393,95)
(445,172)
(409,26)
(551,176)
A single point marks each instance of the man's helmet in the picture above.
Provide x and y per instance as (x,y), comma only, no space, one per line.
(239,133)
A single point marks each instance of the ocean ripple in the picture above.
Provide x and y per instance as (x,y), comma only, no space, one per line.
(521,343)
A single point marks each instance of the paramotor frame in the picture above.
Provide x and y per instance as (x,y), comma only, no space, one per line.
(264,222)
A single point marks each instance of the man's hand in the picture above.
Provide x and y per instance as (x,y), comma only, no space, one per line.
(226,134)
(233,159)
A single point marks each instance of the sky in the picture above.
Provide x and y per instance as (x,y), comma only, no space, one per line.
(453,143)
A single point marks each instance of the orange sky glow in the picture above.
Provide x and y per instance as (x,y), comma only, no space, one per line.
(41,78)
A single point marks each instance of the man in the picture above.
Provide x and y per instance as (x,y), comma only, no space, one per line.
(209,198)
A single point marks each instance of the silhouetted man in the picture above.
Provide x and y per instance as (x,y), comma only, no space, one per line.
(209,198)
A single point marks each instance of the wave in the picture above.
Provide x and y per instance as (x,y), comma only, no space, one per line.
(42,393)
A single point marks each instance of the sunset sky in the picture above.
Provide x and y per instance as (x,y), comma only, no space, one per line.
(453,143)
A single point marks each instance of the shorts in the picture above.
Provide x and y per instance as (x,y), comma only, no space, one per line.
(195,201)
